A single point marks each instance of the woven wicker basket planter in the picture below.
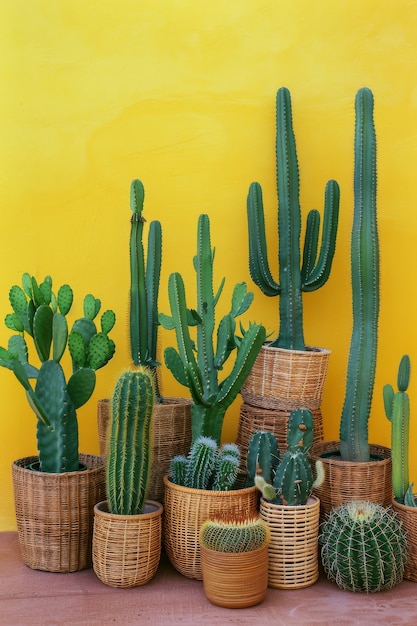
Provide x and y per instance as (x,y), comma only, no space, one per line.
(235,581)
(293,549)
(127,548)
(54,513)
(346,481)
(171,436)
(408,517)
(185,509)
(287,379)
(253,418)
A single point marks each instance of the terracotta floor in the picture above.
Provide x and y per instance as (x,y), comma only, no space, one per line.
(33,598)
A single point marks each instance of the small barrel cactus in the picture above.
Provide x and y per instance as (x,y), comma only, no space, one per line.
(234,536)
(363,547)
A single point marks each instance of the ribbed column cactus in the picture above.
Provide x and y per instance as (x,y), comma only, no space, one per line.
(363,547)
(263,456)
(234,536)
(294,276)
(354,444)
(128,458)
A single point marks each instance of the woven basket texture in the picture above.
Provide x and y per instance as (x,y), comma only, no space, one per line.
(252,419)
(127,548)
(185,509)
(287,379)
(346,481)
(171,431)
(54,513)
(235,581)
(293,549)
(408,517)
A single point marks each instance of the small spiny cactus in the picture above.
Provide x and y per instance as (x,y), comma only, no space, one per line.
(234,536)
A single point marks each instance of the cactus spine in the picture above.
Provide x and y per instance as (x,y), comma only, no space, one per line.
(128,459)
(294,277)
(397,410)
(144,284)
(363,547)
(234,536)
(40,314)
(354,444)
(196,365)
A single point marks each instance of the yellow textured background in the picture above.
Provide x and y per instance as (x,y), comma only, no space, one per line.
(182,95)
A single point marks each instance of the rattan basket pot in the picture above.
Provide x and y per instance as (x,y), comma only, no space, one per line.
(185,509)
(346,481)
(293,549)
(235,581)
(408,517)
(171,430)
(127,548)
(54,513)
(287,379)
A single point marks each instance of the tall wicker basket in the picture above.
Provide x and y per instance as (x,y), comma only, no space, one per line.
(287,379)
(54,513)
(345,481)
(293,549)
(408,517)
(127,548)
(171,427)
(185,509)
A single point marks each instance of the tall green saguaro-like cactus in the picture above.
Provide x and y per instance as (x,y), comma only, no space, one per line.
(144,284)
(397,410)
(294,276)
(129,458)
(354,444)
(197,364)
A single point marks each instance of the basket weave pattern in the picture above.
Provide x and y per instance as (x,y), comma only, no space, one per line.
(287,379)
(127,548)
(54,514)
(346,481)
(293,549)
(185,509)
(408,517)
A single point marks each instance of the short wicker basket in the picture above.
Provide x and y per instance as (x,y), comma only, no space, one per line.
(54,513)
(185,509)
(345,481)
(293,549)
(171,427)
(408,517)
(127,548)
(287,379)
(235,581)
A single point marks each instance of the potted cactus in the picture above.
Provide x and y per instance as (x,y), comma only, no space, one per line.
(397,409)
(59,472)
(127,527)
(172,419)
(356,470)
(234,561)
(287,505)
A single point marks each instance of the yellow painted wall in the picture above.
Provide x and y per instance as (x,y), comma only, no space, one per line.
(182,95)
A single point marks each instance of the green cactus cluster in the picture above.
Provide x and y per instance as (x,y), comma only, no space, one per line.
(363,547)
(144,284)
(197,363)
(234,536)
(207,466)
(397,410)
(360,380)
(130,436)
(39,313)
(294,276)
(290,481)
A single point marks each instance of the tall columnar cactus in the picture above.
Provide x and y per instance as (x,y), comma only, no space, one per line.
(397,410)
(129,456)
(197,364)
(40,314)
(234,536)
(294,276)
(354,444)
(363,547)
(263,455)
(144,284)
